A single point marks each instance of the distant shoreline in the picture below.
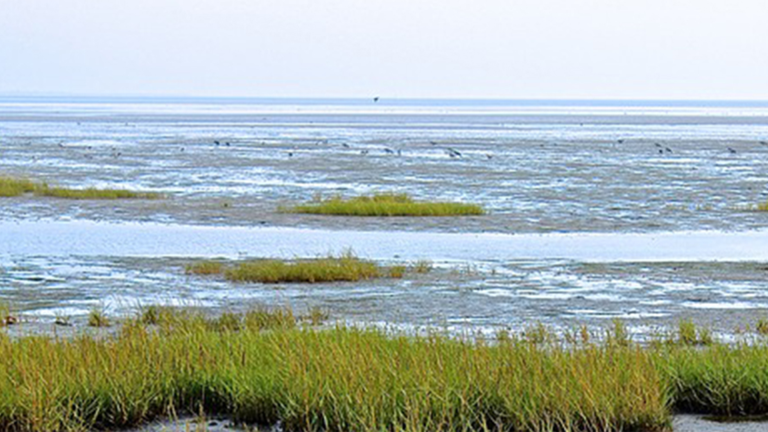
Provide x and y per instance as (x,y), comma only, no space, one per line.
(366,101)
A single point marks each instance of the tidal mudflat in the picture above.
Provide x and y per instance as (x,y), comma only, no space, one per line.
(592,213)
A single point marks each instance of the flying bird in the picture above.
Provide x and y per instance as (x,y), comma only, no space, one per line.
(452,152)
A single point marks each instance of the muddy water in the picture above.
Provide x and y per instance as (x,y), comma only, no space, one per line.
(595,212)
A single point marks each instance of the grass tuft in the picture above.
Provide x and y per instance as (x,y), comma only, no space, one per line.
(205,268)
(97,318)
(330,269)
(10,187)
(385,204)
(95,194)
(762,326)
(690,334)
(345,267)
(422,266)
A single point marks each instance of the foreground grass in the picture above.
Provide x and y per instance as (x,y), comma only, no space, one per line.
(263,367)
(340,379)
(345,267)
(10,187)
(385,204)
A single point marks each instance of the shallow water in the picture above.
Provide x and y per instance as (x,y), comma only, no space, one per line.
(480,282)
(595,211)
(535,170)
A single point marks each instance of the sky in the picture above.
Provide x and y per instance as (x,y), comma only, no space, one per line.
(480,49)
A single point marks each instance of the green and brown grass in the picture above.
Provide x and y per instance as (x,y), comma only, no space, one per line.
(343,268)
(10,187)
(261,367)
(385,204)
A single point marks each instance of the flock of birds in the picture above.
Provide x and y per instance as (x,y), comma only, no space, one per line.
(451,152)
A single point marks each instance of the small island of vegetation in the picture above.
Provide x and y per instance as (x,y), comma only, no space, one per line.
(384,204)
(12,187)
(343,268)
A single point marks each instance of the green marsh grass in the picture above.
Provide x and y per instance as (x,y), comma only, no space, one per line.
(97,318)
(95,194)
(717,379)
(690,334)
(385,204)
(339,379)
(422,266)
(761,327)
(331,269)
(10,187)
(260,367)
(205,268)
(344,267)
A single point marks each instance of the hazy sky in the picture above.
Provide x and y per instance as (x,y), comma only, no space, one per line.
(561,49)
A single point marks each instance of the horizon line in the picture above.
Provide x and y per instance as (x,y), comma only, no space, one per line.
(379,99)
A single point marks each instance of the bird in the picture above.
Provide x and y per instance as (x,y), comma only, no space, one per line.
(731,151)
(375,99)
(668,150)
(620,141)
(452,152)
(216,142)
(388,150)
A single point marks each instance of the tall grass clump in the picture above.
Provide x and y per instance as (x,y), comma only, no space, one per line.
(689,334)
(719,379)
(385,204)
(422,266)
(341,379)
(261,368)
(205,268)
(10,187)
(346,267)
(98,318)
(94,193)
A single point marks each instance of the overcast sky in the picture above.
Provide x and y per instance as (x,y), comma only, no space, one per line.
(529,49)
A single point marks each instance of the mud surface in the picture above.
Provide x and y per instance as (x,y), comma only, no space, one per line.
(644,210)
